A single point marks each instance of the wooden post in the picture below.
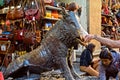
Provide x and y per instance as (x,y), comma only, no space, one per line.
(94,19)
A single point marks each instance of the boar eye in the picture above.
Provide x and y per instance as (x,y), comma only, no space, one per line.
(72,23)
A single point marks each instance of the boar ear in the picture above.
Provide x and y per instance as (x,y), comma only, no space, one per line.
(64,12)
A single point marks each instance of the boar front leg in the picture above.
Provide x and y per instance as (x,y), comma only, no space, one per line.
(65,68)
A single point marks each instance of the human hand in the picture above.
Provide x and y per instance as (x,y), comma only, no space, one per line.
(89,37)
(96,61)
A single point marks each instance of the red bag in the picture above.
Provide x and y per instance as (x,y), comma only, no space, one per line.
(29,34)
(18,35)
(29,37)
(32,14)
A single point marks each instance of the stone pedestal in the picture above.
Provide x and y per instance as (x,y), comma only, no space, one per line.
(52,75)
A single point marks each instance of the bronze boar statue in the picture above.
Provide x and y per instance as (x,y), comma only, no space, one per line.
(53,51)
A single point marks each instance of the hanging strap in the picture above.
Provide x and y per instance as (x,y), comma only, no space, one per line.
(36,4)
(23,4)
(42,8)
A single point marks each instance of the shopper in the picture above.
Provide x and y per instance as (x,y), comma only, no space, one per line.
(105,41)
(109,65)
(86,61)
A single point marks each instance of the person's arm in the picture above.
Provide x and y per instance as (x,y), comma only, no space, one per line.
(83,32)
(106,41)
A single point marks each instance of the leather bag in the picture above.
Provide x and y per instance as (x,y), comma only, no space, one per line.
(32,14)
(29,35)
(18,35)
(16,13)
(10,15)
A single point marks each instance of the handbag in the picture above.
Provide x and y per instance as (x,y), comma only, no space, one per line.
(32,14)
(29,35)
(18,35)
(10,15)
(16,13)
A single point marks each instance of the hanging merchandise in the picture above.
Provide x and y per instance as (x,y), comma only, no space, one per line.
(15,13)
(49,2)
(33,13)
(29,34)
(105,9)
(42,8)
(19,13)
(19,31)
(18,35)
